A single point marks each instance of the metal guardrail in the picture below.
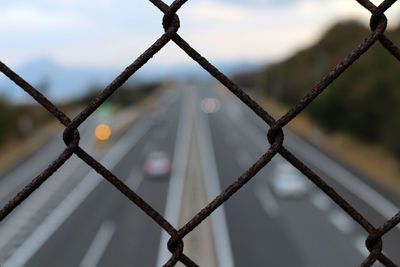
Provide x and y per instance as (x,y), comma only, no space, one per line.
(171,23)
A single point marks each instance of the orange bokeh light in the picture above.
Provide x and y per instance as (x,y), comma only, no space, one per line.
(102,132)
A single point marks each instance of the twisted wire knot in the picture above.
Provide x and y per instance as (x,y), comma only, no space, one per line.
(378,22)
(175,245)
(171,20)
(374,243)
(71,137)
(275,134)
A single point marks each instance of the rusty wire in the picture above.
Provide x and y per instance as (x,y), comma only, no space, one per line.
(171,24)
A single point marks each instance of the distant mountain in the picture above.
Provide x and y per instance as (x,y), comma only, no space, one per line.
(57,81)
(66,82)
(364,100)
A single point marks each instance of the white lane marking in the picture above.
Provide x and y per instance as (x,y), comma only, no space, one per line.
(321,201)
(383,206)
(341,221)
(61,213)
(359,243)
(135,178)
(175,187)
(99,244)
(243,158)
(267,200)
(21,175)
(21,217)
(254,134)
(328,167)
(218,219)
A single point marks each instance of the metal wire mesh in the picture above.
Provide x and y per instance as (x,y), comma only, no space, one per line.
(171,25)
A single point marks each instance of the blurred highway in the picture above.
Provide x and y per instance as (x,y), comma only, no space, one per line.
(265,229)
(77,219)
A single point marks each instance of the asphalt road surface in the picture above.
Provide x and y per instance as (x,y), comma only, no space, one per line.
(78,219)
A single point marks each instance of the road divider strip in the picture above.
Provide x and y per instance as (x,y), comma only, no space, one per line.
(218,219)
(179,164)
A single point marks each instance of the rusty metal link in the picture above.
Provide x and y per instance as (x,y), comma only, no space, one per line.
(35,183)
(374,245)
(275,136)
(330,77)
(387,226)
(390,46)
(376,12)
(273,133)
(230,190)
(41,99)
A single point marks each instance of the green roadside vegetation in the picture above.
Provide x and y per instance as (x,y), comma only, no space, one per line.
(24,127)
(364,102)
(20,120)
(123,97)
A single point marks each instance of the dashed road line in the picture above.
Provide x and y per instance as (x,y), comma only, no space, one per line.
(326,166)
(135,178)
(321,201)
(359,243)
(62,212)
(99,244)
(341,221)
(267,200)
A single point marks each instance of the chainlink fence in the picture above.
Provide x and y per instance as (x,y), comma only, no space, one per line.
(378,24)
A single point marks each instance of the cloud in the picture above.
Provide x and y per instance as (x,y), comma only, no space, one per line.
(226,32)
(216,12)
(242,31)
(222,30)
(114,51)
(344,9)
(269,3)
(24,18)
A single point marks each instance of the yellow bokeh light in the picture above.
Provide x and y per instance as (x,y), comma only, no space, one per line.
(102,132)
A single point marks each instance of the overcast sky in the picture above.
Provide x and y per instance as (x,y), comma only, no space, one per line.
(112,33)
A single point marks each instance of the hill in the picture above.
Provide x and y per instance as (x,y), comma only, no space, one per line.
(364,101)
(63,83)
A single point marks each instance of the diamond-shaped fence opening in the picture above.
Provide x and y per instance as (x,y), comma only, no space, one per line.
(171,25)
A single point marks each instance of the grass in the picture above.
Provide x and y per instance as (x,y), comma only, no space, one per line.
(14,149)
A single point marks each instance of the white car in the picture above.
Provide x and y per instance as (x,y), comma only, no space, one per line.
(157,164)
(288,182)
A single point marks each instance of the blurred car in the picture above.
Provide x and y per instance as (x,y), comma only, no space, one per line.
(288,182)
(210,105)
(157,164)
